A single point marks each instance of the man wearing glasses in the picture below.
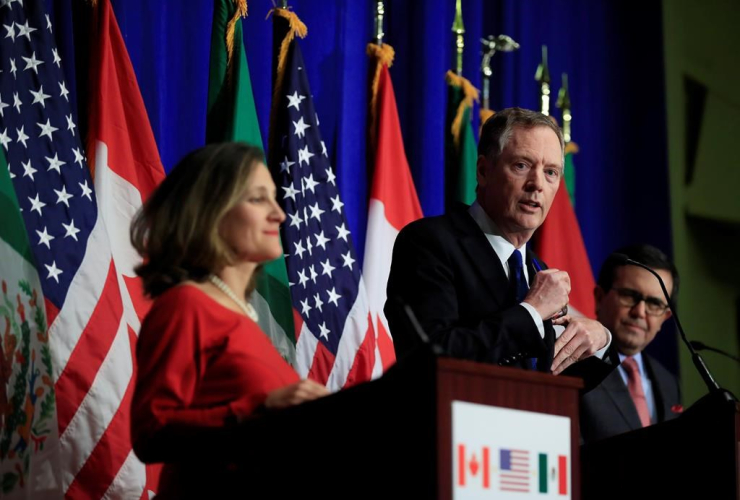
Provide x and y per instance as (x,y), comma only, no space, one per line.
(630,303)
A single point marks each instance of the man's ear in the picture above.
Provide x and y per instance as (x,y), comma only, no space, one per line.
(480,170)
(599,294)
(667,314)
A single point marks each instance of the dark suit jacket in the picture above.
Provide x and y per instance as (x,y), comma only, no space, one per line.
(608,409)
(445,269)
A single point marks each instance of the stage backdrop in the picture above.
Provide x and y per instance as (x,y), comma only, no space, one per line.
(612,52)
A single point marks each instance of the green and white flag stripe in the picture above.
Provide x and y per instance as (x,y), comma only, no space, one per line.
(232,116)
(29,440)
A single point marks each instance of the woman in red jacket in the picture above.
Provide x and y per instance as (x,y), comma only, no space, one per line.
(202,360)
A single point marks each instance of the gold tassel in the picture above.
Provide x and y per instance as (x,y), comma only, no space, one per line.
(470,94)
(571,147)
(485,114)
(382,55)
(296,27)
(240,12)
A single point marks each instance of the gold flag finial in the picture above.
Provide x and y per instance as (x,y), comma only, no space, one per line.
(459,29)
(564,104)
(543,78)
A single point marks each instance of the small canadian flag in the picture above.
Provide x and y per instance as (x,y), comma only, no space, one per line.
(475,465)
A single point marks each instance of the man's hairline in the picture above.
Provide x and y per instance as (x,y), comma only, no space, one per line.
(529,127)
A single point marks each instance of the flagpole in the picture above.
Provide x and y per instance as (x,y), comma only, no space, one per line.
(491,44)
(542,76)
(459,30)
(379,15)
(564,104)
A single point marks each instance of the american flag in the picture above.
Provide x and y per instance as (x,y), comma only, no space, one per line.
(336,342)
(90,339)
(515,473)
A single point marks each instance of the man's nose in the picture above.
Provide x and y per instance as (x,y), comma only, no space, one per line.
(638,310)
(536,179)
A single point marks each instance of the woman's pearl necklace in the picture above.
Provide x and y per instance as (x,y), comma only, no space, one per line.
(243,305)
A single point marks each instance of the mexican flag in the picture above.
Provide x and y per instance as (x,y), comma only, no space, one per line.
(461,151)
(29,438)
(232,117)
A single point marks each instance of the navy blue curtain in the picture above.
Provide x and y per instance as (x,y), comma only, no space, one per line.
(612,52)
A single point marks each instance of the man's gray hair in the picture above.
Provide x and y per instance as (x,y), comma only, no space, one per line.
(497,130)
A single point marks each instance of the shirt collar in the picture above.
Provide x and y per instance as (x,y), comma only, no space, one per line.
(638,359)
(501,245)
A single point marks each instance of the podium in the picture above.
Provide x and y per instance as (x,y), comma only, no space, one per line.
(390,438)
(696,455)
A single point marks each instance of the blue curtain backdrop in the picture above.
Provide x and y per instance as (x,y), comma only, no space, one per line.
(612,52)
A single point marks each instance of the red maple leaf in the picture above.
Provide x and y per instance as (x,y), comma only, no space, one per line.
(473,465)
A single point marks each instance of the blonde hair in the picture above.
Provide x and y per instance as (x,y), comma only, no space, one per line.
(177,229)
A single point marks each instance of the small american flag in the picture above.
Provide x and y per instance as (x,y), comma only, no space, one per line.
(515,473)
(336,342)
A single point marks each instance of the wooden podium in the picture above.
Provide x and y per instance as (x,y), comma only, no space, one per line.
(696,455)
(391,438)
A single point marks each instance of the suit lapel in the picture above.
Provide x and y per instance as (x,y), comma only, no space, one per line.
(661,407)
(545,361)
(620,396)
(479,250)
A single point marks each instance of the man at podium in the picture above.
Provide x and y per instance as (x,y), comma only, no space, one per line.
(468,276)
(629,302)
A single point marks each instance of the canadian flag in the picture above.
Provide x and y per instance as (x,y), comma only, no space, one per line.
(393,204)
(126,168)
(473,465)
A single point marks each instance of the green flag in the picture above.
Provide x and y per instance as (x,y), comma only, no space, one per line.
(232,116)
(461,151)
(570,171)
(29,442)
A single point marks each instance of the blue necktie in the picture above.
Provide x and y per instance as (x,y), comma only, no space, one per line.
(516,277)
(519,288)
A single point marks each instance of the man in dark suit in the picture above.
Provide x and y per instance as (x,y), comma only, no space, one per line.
(630,303)
(462,273)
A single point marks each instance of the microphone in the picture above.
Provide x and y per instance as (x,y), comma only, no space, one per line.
(421,336)
(701,346)
(695,357)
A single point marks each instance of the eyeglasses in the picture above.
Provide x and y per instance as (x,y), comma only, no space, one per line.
(630,298)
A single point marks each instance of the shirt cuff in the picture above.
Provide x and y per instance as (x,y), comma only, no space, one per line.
(538,319)
(600,353)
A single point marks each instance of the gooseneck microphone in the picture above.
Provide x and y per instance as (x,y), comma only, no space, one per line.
(701,346)
(695,357)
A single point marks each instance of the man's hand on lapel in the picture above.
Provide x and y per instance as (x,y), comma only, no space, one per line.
(582,338)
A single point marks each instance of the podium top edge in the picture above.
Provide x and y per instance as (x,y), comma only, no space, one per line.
(517,374)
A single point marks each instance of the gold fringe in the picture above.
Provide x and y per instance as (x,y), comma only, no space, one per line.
(296,27)
(571,147)
(239,13)
(470,94)
(484,114)
(382,55)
